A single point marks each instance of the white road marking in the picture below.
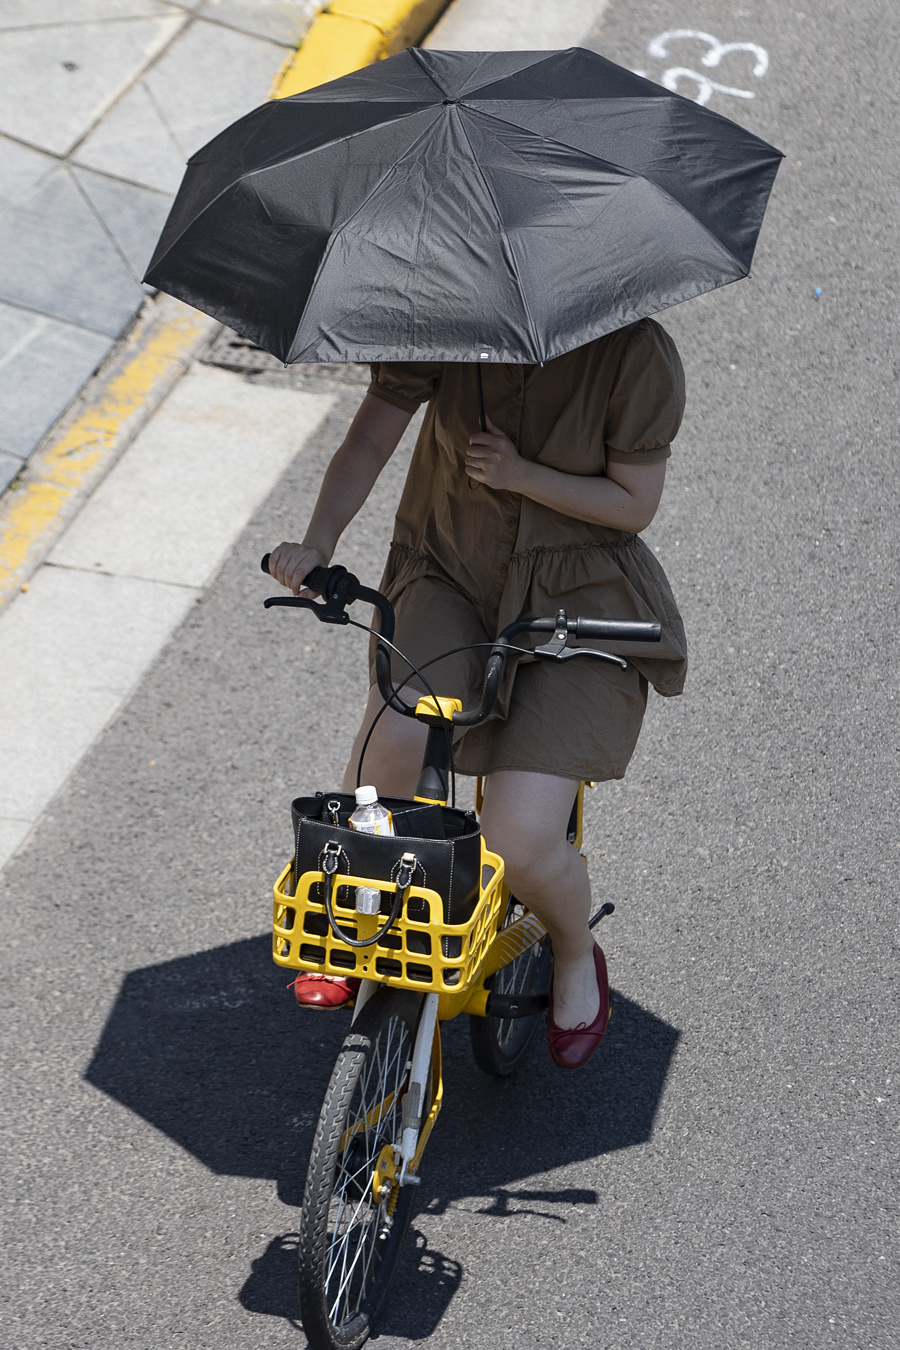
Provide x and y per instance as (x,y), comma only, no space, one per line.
(127,571)
(659,47)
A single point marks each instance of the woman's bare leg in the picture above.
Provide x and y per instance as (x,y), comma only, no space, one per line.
(394,755)
(524,820)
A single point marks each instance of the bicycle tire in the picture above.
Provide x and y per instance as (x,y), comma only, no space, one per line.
(500,1044)
(349,1244)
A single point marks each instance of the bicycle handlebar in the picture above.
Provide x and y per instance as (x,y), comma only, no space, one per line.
(340,588)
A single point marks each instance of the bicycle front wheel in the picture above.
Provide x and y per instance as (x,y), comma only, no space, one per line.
(355,1217)
(500,1044)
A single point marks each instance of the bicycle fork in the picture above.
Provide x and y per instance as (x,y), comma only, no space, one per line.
(412,1137)
(414,1100)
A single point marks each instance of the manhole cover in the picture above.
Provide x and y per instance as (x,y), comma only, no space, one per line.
(232,352)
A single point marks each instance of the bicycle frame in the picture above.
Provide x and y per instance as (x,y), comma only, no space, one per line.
(507,945)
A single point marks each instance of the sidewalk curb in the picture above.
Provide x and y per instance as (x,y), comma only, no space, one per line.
(350,34)
(82,447)
(85,444)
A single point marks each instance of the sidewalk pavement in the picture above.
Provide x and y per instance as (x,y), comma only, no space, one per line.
(143,547)
(101,103)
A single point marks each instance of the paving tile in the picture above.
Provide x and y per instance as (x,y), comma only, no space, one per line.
(208,78)
(135,142)
(9,467)
(43,364)
(21,169)
(84,67)
(56,258)
(31,13)
(133,215)
(282,20)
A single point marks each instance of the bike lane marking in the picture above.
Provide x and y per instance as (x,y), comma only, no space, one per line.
(127,571)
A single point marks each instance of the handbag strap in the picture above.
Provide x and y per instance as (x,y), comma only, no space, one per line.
(405,874)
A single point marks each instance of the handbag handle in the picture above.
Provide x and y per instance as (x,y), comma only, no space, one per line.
(405,874)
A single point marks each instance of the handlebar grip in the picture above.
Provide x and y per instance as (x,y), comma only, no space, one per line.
(316,580)
(618,630)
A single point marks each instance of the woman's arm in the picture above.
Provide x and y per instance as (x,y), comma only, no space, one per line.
(625,498)
(373,437)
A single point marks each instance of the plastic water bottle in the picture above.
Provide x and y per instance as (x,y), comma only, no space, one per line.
(370,817)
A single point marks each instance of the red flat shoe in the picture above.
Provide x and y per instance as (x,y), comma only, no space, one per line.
(323,991)
(571,1047)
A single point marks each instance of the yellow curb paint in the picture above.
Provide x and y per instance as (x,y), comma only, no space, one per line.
(334,46)
(61,474)
(350,34)
(402,22)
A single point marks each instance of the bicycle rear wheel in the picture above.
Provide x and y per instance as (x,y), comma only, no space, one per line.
(500,1044)
(353,1221)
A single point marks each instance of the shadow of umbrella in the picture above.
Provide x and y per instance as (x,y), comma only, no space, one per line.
(212,1050)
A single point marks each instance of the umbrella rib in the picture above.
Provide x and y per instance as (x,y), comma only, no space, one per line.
(417,57)
(250,174)
(512,256)
(620,168)
(336,233)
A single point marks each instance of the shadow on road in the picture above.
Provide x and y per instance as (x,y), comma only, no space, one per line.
(212,1050)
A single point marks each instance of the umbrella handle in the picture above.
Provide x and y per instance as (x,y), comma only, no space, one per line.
(480,396)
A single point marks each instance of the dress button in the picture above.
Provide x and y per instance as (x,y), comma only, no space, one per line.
(511,520)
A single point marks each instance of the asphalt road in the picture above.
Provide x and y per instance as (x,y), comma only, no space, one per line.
(724,1173)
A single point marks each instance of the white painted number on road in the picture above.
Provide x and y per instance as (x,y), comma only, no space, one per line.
(706,87)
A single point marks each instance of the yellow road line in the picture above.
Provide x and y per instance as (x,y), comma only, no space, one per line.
(80,450)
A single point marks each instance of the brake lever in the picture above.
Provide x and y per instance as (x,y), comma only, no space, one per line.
(331,611)
(559,639)
(589,651)
(557,650)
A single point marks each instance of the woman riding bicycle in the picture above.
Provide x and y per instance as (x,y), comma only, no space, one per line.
(541,511)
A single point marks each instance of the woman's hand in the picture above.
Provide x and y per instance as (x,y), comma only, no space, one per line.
(491,458)
(290,563)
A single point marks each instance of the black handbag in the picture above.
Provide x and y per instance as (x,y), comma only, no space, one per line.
(436,847)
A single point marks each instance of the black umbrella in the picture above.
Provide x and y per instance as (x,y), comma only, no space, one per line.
(463,206)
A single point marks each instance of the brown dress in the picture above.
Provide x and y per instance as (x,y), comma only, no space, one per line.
(467,559)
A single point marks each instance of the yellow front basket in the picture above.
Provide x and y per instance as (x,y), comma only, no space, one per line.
(419,951)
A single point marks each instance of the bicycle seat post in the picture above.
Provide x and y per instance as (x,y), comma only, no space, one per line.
(433,784)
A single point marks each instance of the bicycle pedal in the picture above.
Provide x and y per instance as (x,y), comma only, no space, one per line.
(516,1005)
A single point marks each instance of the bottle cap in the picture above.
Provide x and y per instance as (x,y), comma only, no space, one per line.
(366,796)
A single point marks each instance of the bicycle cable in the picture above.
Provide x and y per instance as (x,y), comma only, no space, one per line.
(414,670)
(454,651)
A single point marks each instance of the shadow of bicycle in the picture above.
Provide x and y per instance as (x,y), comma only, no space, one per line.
(212,1050)
(420,1295)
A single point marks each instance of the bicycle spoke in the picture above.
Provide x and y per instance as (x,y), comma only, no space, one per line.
(351,1256)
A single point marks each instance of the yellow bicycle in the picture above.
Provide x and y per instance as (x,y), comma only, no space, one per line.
(423,958)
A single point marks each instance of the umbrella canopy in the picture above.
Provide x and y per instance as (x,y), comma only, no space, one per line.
(463,206)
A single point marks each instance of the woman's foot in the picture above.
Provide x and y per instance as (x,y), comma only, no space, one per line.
(571,1045)
(576,997)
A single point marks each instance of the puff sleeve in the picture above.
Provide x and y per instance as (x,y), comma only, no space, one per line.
(647,399)
(405,385)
